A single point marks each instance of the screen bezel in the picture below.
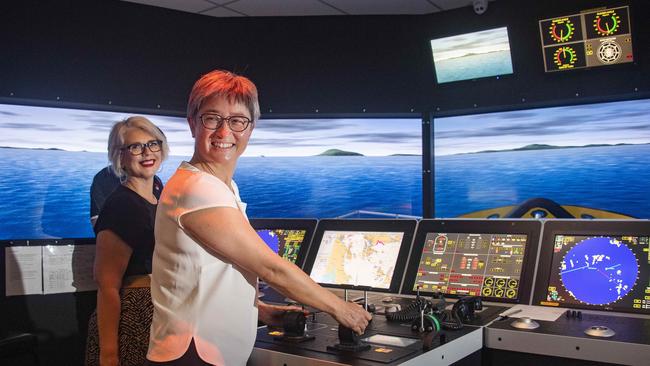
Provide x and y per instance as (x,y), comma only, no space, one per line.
(386,225)
(309,225)
(531,228)
(583,228)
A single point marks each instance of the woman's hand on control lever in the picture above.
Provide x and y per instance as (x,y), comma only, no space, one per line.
(353,316)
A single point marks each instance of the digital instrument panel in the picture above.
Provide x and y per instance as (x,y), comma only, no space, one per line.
(473,257)
(475,264)
(361,254)
(592,38)
(289,238)
(587,267)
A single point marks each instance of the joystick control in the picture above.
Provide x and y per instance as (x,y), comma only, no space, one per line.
(349,341)
(293,327)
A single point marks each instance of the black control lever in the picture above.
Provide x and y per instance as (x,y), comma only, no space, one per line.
(294,324)
(349,341)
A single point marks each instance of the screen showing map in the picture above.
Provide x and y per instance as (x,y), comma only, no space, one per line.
(357,258)
(604,272)
(285,242)
(487,265)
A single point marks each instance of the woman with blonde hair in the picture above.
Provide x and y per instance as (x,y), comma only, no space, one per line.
(118,332)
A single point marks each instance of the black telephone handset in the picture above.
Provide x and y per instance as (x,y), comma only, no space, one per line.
(465,306)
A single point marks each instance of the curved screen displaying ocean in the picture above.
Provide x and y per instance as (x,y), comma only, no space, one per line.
(45,193)
(612,178)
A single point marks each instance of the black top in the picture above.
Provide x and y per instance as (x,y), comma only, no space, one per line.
(105,182)
(131,217)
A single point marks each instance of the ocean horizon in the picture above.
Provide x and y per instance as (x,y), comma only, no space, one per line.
(45,193)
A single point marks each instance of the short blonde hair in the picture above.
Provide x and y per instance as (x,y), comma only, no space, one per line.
(116,140)
(233,87)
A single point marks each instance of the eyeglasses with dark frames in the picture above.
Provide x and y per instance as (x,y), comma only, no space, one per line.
(138,148)
(213,121)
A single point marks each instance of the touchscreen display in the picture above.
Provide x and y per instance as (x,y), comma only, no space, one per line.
(487,265)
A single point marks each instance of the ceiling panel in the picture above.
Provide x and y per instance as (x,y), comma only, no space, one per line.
(222,12)
(235,8)
(451,4)
(283,7)
(358,7)
(192,6)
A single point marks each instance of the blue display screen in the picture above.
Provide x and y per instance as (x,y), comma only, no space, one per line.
(608,272)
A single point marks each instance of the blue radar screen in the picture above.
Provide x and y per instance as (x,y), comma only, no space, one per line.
(599,271)
(270,238)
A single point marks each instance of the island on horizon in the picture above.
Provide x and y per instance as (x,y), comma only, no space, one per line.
(337,152)
(548,147)
(32,148)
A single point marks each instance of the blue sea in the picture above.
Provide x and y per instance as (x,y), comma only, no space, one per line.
(613,178)
(45,193)
(474,66)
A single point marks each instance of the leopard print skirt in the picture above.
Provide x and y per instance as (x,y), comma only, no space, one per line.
(133,333)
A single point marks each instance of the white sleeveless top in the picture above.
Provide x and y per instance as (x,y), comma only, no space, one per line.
(195,293)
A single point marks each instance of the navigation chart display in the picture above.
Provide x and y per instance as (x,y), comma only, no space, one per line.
(285,242)
(605,272)
(487,265)
(357,258)
(592,38)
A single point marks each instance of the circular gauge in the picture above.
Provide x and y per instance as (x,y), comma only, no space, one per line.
(565,57)
(498,292)
(607,24)
(489,281)
(513,283)
(609,52)
(562,30)
(487,291)
(511,294)
(599,271)
(501,282)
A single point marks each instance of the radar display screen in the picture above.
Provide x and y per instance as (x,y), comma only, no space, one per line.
(601,272)
(591,38)
(289,238)
(486,265)
(285,242)
(357,258)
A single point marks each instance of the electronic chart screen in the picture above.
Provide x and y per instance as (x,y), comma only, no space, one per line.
(361,254)
(289,238)
(597,270)
(472,258)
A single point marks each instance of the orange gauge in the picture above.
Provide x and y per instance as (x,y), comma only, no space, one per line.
(607,23)
(565,57)
(562,30)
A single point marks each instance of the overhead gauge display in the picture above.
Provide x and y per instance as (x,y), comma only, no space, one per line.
(562,30)
(607,23)
(609,52)
(591,38)
(565,57)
